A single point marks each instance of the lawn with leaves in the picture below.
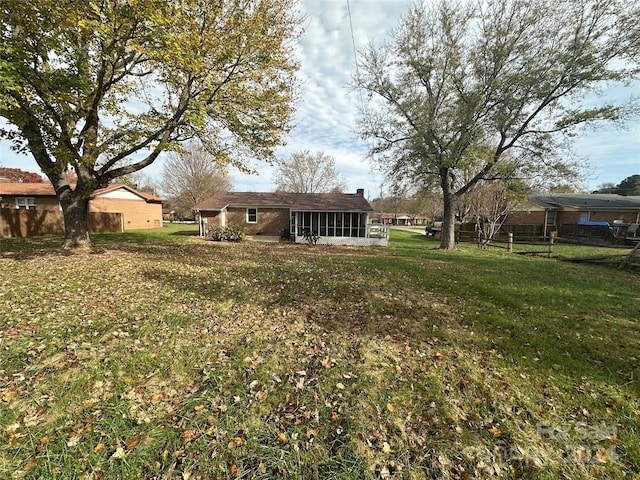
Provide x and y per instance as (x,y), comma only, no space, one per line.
(166,356)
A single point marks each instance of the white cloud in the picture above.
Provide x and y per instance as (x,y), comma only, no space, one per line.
(327,115)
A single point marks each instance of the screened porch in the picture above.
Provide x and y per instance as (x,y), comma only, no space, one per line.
(338,228)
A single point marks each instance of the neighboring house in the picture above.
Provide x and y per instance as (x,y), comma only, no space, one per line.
(563,212)
(404,219)
(338,218)
(117,207)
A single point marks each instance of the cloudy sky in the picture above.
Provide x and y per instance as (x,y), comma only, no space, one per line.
(328,110)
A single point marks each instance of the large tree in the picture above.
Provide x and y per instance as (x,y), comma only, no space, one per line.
(628,186)
(19,175)
(104,86)
(305,172)
(462,83)
(190,177)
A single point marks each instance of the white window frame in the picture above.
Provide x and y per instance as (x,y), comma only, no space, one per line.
(249,215)
(25,203)
(585,216)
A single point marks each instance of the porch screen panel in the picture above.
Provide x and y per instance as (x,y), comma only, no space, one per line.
(355,225)
(363,225)
(347,225)
(331,224)
(315,222)
(323,224)
(338,224)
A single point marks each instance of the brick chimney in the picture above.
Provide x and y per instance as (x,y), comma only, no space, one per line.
(360,192)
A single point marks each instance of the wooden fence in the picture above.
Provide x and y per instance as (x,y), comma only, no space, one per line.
(33,223)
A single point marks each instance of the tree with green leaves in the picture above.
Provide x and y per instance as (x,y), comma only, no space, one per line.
(104,87)
(305,172)
(628,186)
(461,84)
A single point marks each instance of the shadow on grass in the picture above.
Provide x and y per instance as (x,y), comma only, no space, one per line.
(539,314)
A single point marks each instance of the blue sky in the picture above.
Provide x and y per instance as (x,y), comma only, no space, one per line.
(328,110)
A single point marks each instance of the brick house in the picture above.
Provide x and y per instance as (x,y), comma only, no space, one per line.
(31,209)
(563,212)
(338,218)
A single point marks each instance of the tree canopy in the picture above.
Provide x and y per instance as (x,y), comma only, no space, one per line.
(305,172)
(461,84)
(190,177)
(104,87)
(20,176)
(628,186)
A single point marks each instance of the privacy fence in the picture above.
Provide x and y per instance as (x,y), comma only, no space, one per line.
(32,223)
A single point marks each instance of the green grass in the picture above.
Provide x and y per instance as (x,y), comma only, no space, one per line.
(167,356)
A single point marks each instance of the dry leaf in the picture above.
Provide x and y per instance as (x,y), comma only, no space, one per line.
(391,407)
(312,432)
(119,453)
(233,469)
(133,442)
(198,408)
(30,464)
(156,397)
(99,448)
(282,438)
(496,431)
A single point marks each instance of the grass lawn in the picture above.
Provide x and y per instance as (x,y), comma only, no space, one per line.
(169,357)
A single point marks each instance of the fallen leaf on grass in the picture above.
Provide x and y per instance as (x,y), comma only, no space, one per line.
(133,442)
(30,464)
(391,407)
(118,454)
(233,469)
(99,448)
(189,435)
(496,431)
(282,438)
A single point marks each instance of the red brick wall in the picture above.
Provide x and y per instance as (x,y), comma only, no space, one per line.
(271,221)
(42,202)
(33,223)
(136,214)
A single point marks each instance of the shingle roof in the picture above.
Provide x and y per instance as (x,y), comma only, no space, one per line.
(115,186)
(326,202)
(32,189)
(46,189)
(593,200)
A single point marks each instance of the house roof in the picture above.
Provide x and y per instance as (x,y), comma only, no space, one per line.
(116,186)
(327,202)
(596,201)
(30,189)
(46,189)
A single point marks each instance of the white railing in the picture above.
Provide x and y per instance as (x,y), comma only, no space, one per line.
(377,231)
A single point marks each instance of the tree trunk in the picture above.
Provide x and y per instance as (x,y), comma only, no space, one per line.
(447,236)
(75,210)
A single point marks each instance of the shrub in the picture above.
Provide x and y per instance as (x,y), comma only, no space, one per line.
(311,237)
(232,233)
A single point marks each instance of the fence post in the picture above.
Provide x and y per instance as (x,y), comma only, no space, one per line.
(510,242)
(550,245)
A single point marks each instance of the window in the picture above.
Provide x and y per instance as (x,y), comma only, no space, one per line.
(252,215)
(585,216)
(551,217)
(28,203)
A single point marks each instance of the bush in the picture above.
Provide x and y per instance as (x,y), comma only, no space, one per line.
(311,237)
(232,233)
